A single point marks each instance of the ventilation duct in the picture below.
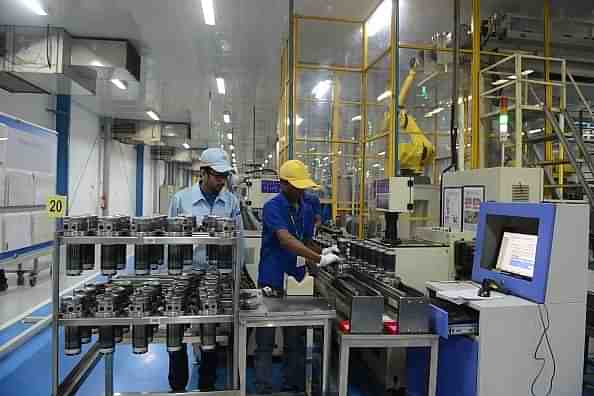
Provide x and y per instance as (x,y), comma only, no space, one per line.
(38,60)
(111,58)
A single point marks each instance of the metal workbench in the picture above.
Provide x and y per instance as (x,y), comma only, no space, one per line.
(306,312)
(386,341)
(89,360)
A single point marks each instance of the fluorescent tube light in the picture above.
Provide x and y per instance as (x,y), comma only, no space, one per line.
(383,96)
(36,7)
(221,85)
(321,89)
(208,11)
(186,145)
(119,83)
(153,115)
(356,118)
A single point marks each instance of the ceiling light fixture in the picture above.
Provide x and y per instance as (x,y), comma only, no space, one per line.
(119,83)
(499,82)
(231,147)
(270,156)
(153,115)
(227,117)
(381,154)
(356,118)
(96,63)
(384,96)
(527,72)
(321,89)
(186,145)
(230,136)
(208,11)
(380,18)
(36,7)
(221,85)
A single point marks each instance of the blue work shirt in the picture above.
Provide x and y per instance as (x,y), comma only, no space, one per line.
(276,261)
(191,202)
(314,201)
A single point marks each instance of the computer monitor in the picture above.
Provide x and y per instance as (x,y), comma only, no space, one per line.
(513,247)
(517,254)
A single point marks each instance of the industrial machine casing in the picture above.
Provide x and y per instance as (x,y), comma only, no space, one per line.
(500,360)
(501,184)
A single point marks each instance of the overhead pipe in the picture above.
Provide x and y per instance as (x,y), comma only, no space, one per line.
(454,109)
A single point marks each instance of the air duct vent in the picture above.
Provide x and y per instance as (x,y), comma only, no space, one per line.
(520,193)
(163,153)
(125,131)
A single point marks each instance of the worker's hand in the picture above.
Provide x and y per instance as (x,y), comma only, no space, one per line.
(328,259)
(332,249)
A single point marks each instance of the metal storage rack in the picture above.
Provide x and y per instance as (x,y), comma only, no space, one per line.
(88,361)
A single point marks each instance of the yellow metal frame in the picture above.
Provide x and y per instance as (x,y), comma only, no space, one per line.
(471,134)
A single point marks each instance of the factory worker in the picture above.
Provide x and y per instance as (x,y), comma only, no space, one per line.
(314,201)
(208,197)
(287,232)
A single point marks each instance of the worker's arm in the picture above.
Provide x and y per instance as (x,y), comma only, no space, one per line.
(294,245)
(313,246)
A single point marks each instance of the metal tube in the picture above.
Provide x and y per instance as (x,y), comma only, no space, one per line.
(395,85)
(236,285)
(254,135)
(108,358)
(291,93)
(55,314)
(476,83)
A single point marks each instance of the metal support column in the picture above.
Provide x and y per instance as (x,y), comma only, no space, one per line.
(363,137)
(334,157)
(139,179)
(108,359)
(395,107)
(107,145)
(291,91)
(476,84)
(518,114)
(63,106)
(55,313)
(548,87)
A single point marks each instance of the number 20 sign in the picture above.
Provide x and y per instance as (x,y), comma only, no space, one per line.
(56,206)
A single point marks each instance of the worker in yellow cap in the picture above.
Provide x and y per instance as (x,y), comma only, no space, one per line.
(287,233)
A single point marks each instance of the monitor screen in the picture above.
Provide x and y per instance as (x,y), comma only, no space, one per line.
(517,254)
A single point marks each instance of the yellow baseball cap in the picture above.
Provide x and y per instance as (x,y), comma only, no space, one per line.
(296,173)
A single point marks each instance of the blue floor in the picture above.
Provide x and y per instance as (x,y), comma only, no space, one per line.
(27,371)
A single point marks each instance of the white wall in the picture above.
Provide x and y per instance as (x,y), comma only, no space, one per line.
(84,171)
(85,163)
(122,179)
(28,107)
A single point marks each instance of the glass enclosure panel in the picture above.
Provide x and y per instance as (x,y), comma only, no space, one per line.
(378,31)
(330,43)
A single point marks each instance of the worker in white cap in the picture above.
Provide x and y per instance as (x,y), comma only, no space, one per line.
(208,197)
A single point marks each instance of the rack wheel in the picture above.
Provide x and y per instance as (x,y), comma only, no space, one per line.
(32,281)
(20,278)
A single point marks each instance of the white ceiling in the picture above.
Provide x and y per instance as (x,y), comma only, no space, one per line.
(181,55)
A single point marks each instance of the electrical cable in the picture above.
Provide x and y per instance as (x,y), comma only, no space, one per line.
(79,181)
(544,337)
(48,51)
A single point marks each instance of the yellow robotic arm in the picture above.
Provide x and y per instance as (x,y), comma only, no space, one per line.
(416,151)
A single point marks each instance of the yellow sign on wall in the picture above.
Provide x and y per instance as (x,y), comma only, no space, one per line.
(56,206)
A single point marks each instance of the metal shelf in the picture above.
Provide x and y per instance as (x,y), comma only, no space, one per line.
(196,239)
(148,320)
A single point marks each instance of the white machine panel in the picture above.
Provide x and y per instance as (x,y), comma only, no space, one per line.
(17,230)
(501,184)
(395,194)
(20,185)
(417,265)
(261,191)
